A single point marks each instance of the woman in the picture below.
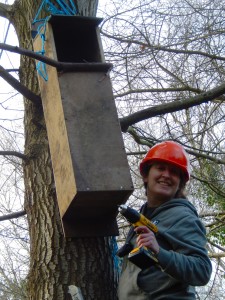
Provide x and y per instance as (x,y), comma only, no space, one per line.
(180,244)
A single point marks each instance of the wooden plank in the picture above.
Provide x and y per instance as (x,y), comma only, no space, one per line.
(56,128)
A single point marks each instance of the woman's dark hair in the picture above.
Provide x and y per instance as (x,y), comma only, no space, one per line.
(181,191)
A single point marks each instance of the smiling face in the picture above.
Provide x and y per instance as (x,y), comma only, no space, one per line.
(163,181)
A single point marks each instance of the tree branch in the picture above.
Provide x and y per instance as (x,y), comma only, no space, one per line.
(217,255)
(213,187)
(162,90)
(13,153)
(13,215)
(76,67)
(171,107)
(5,10)
(211,213)
(19,87)
(215,245)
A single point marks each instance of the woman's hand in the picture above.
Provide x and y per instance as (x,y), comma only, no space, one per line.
(146,238)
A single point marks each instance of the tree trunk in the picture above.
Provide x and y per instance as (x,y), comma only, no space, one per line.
(57,264)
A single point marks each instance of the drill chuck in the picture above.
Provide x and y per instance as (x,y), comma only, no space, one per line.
(130,214)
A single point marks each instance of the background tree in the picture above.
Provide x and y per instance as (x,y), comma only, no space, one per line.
(168,80)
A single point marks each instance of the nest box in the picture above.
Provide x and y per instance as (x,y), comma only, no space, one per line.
(89,162)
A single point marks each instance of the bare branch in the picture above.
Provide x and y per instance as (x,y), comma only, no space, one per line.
(12,70)
(5,10)
(76,67)
(162,90)
(19,87)
(13,153)
(136,153)
(211,213)
(217,255)
(13,215)
(212,186)
(217,246)
(171,107)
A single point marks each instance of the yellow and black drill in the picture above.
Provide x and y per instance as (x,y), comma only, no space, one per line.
(140,256)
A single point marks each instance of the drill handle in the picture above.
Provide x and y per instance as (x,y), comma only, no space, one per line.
(143,221)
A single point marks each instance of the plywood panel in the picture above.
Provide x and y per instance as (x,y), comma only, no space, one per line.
(95,138)
(56,130)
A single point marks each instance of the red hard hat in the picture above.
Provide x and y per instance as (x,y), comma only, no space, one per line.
(169,152)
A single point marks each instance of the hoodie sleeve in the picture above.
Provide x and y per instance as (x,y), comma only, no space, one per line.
(188,260)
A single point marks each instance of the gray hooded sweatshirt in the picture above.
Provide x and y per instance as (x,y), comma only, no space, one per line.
(183,259)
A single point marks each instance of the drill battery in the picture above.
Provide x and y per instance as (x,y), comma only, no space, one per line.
(142,257)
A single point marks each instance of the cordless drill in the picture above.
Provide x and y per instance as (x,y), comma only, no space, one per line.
(140,256)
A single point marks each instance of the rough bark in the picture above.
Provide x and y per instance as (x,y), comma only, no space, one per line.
(55,262)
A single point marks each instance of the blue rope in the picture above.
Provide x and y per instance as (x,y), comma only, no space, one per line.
(40,66)
(116,260)
(39,11)
(64,9)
